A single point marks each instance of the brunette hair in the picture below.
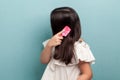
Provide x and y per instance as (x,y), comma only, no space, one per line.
(60,17)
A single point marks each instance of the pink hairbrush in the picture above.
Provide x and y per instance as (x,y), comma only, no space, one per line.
(66,31)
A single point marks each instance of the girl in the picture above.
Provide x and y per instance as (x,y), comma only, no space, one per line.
(69,57)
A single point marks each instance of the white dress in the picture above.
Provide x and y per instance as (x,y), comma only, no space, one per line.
(57,70)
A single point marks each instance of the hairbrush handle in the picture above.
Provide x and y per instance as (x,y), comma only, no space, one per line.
(66,31)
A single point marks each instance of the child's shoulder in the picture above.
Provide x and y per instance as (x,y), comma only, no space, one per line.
(81,42)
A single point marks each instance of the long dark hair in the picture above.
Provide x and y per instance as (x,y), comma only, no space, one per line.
(60,17)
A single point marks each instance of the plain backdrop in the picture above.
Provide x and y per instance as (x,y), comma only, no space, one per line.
(25,24)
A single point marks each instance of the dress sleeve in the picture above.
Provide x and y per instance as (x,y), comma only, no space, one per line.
(83,52)
(45,42)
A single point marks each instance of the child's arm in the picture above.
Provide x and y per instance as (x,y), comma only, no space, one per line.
(86,71)
(46,53)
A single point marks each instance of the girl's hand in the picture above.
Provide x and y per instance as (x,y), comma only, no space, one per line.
(55,40)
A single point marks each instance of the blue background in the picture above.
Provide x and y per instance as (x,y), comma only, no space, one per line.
(25,24)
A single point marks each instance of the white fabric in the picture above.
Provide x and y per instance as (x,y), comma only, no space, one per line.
(83,52)
(57,70)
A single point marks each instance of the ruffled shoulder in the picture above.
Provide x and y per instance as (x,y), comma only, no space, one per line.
(83,52)
(45,42)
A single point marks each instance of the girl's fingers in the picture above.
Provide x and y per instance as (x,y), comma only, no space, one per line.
(56,39)
(59,41)
(59,35)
